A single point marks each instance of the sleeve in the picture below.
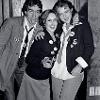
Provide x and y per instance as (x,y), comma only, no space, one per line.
(82,62)
(88,45)
(88,42)
(5,32)
(35,53)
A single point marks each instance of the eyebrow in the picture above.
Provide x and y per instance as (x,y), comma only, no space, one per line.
(33,9)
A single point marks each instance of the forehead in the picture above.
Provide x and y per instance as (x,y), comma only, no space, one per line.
(35,7)
(51,16)
(62,9)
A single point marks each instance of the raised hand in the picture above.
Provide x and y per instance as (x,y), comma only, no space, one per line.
(47,62)
(40,35)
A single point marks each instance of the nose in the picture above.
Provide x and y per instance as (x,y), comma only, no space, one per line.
(52,23)
(35,15)
(64,16)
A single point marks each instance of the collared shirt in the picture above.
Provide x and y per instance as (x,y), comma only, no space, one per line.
(60,70)
(24,36)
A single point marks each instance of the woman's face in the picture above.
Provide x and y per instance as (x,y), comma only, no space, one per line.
(51,23)
(65,14)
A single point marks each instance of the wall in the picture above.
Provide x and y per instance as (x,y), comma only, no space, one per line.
(94,18)
(0,12)
(93,80)
(47,4)
(17,5)
(4,10)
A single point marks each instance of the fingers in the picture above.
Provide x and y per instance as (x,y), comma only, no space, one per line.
(37,37)
(45,60)
(76,19)
(47,63)
(76,70)
(40,36)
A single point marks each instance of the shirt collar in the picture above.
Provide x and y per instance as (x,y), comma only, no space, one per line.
(26,23)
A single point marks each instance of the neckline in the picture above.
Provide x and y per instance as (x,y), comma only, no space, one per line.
(49,36)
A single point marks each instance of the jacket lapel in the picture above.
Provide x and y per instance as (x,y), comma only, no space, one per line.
(21,28)
(31,41)
(33,36)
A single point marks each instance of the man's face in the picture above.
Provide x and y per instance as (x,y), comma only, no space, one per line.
(65,14)
(33,14)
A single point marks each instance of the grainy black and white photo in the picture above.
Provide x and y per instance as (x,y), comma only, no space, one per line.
(49,50)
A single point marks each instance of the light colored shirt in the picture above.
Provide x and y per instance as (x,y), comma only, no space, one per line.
(30,34)
(60,70)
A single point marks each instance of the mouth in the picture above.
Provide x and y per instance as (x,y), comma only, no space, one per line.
(52,27)
(67,20)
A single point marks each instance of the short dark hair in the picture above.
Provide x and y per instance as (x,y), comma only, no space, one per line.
(44,16)
(31,3)
(62,3)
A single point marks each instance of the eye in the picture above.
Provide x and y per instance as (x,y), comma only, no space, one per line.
(38,11)
(67,11)
(30,11)
(49,20)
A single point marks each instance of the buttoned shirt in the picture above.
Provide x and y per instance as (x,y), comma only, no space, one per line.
(30,34)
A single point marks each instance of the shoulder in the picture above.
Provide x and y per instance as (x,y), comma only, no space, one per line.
(86,26)
(84,22)
(12,21)
(83,25)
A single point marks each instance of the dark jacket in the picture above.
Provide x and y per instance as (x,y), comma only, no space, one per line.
(40,49)
(83,47)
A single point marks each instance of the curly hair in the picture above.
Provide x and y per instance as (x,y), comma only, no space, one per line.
(31,3)
(64,3)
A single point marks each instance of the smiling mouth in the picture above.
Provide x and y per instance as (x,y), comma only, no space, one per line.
(66,19)
(52,27)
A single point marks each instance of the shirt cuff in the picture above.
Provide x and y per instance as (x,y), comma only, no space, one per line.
(82,62)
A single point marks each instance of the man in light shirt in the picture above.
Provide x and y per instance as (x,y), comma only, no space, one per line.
(12,40)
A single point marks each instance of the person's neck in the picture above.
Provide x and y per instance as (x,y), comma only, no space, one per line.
(31,24)
(68,24)
(52,35)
